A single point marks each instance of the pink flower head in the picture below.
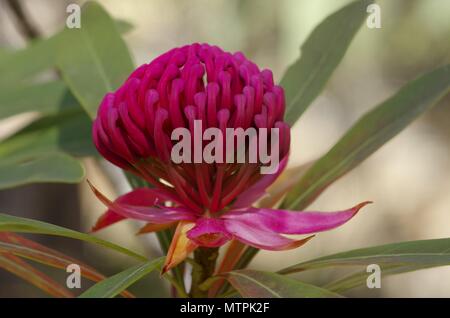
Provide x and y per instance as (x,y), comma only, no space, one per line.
(211,202)
(196,82)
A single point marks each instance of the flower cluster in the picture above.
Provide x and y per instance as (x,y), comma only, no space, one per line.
(211,203)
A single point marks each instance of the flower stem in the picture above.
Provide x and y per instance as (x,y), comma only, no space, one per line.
(206,259)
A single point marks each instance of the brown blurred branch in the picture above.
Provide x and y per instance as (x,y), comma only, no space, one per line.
(28,29)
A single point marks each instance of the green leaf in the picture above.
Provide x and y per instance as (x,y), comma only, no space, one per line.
(246,257)
(53,167)
(39,56)
(320,55)
(46,256)
(14,244)
(257,284)
(372,131)
(124,26)
(4,54)
(397,257)
(360,278)
(68,132)
(23,64)
(114,285)
(9,223)
(38,153)
(22,269)
(45,98)
(94,59)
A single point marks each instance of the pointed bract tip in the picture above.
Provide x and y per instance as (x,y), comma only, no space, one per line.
(93,188)
(90,184)
(298,243)
(95,228)
(164,270)
(306,240)
(358,207)
(153,227)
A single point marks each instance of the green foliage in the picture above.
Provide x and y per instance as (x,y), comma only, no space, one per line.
(65,130)
(22,269)
(417,253)
(95,64)
(392,258)
(53,167)
(24,64)
(114,285)
(40,56)
(9,223)
(257,284)
(46,98)
(94,59)
(68,132)
(13,246)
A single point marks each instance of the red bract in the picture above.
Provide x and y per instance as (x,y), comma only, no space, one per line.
(213,201)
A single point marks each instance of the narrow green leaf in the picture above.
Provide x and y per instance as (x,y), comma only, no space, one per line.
(114,285)
(412,254)
(22,269)
(9,223)
(45,98)
(12,243)
(247,255)
(68,132)
(48,257)
(94,59)
(372,131)
(41,254)
(53,167)
(360,278)
(320,55)
(257,284)
(38,152)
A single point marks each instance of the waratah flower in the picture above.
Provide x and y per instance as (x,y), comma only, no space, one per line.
(209,202)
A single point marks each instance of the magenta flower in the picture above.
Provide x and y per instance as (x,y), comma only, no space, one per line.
(211,203)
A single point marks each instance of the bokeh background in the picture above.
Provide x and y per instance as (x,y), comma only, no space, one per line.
(408,178)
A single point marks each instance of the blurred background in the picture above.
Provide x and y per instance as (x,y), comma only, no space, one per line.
(408,178)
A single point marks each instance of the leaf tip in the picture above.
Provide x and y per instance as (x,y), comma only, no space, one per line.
(359,206)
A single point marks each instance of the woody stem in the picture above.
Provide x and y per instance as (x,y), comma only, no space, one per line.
(205,259)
